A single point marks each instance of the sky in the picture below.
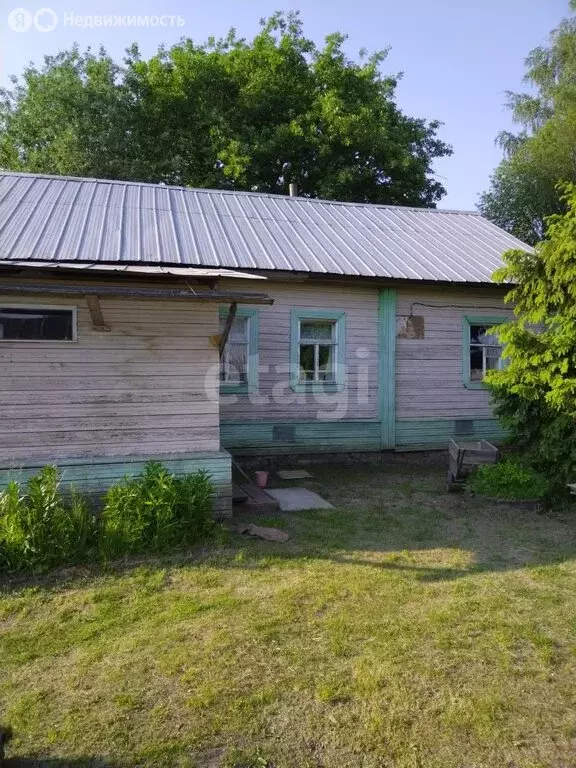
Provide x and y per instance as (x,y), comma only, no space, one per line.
(458,57)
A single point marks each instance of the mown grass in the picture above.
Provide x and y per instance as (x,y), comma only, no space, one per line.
(407,628)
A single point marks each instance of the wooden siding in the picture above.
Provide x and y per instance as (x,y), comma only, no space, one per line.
(266,438)
(427,434)
(148,387)
(275,401)
(259,438)
(429,380)
(430,396)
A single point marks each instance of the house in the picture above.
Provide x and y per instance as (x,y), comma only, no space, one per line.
(141,321)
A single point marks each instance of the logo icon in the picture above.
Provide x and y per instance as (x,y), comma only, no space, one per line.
(45,20)
(19,20)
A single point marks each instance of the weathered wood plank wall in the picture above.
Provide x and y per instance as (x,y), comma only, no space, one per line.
(429,382)
(275,401)
(147,387)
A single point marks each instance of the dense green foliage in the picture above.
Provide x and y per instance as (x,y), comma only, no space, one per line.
(535,394)
(155,511)
(524,189)
(508,480)
(237,114)
(42,528)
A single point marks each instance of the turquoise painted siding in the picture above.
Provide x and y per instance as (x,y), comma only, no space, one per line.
(307,437)
(96,475)
(387,366)
(270,438)
(434,433)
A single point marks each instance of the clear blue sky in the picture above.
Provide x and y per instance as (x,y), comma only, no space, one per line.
(458,56)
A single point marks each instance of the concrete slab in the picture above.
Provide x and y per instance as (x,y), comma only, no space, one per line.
(293,474)
(295,499)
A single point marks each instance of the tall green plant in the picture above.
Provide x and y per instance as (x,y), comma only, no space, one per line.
(40,527)
(535,394)
(155,511)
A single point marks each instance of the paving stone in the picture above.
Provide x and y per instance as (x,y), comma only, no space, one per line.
(295,499)
(293,474)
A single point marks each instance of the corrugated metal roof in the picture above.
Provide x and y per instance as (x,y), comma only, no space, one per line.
(63,219)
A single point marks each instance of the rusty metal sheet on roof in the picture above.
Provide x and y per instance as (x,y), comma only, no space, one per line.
(153,270)
(62,219)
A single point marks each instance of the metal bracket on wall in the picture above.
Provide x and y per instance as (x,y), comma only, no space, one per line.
(98,323)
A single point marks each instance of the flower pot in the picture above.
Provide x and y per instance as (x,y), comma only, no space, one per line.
(261,479)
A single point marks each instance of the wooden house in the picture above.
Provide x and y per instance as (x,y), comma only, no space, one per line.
(145,321)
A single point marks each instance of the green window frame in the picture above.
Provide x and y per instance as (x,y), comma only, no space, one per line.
(468,321)
(252,318)
(337,342)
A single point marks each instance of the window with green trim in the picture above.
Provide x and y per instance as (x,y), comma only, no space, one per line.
(482,350)
(239,359)
(318,350)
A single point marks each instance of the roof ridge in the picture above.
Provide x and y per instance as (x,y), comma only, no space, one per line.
(250,193)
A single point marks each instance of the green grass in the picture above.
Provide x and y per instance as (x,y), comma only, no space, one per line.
(407,628)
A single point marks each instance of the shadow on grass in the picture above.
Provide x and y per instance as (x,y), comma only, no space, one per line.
(382,519)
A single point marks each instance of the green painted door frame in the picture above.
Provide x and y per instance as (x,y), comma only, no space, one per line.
(387,367)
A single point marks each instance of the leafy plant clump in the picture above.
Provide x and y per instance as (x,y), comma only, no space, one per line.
(155,512)
(43,528)
(508,480)
(535,393)
(40,527)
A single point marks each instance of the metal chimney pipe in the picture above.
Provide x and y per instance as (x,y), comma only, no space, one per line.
(293,189)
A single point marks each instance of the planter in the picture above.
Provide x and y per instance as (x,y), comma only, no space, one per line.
(261,479)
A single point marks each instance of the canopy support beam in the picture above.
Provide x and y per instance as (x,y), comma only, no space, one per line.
(98,322)
(227,326)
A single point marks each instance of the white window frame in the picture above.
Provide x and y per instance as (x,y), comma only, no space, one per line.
(338,342)
(4,306)
(487,322)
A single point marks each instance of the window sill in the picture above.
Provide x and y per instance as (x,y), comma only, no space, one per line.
(237,389)
(475,385)
(316,386)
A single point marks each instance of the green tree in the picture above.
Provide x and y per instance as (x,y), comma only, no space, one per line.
(524,188)
(535,394)
(230,113)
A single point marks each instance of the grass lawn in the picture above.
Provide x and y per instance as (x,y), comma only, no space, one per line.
(407,628)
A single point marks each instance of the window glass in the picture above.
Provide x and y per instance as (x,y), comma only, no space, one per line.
(316,330)
(317,350)
(36,324)
(234,361)
(485,352)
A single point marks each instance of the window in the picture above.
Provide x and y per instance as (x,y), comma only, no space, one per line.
(482,350)
(239,360)
(317,351)
(19,323)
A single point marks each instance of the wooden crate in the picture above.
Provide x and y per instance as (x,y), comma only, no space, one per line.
(464,456)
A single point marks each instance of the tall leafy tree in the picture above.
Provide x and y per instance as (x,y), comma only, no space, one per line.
(525,188)
(535,394)
(230,113)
